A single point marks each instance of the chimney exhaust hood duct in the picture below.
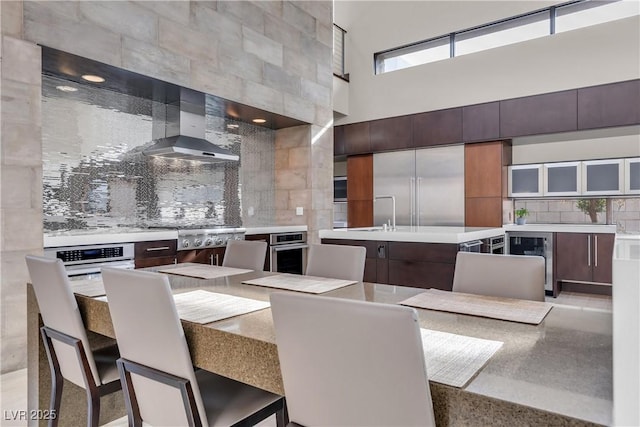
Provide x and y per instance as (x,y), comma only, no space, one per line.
(181,133)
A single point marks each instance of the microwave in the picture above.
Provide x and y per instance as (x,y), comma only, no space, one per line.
(340,189)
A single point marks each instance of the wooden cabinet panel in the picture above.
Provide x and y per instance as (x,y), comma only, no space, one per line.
(603,257)
(390,134)
(483,169)
(154,253)
(573,256)
(356,138)
(360,213)
(437,127)
(615,104)
(338,141)
(483,212)
(211,256)
(539,114)
(431,252)
(360,177)
(481,122)
(421,274)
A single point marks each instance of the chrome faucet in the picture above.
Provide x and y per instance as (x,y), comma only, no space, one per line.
(393,207)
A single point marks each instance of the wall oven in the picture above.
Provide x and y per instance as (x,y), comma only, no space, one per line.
(288,252)
(86,261)
(534,243)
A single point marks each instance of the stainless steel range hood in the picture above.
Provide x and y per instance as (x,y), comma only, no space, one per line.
(179,131)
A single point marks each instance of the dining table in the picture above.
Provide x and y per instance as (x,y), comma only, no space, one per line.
(556,372)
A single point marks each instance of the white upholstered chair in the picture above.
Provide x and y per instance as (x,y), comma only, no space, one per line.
(508,276)
(336,261)
(65,340)
(351,363)
(249,254)
(159,382)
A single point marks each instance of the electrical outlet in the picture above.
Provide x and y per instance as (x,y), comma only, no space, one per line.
(299,210)
(250,211)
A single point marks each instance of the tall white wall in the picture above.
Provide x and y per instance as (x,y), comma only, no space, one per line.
(594,55)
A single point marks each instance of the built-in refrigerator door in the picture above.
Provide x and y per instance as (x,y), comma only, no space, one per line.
(393,175)
(440,186)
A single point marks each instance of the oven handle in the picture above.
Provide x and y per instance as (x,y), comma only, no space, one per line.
(289,247)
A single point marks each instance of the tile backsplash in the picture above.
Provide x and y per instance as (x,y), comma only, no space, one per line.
(95,175)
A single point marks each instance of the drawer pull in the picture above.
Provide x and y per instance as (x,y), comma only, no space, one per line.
(159,248)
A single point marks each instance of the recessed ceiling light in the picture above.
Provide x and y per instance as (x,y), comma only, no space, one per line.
(67,88)
(232,126)
(259,120)
(93,78)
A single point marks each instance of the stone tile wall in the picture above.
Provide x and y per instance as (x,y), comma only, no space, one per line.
(274,55)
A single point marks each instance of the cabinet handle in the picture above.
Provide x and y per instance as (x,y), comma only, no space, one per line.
(210,259)
(589,250)
(381,252)
(595,249)
(159,248)
(216,256)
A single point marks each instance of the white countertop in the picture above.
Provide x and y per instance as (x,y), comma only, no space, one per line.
(426,234)
(100,237)
(563,228)
(276,229)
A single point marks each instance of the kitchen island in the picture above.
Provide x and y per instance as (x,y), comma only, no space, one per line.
(422,257)
(555,373)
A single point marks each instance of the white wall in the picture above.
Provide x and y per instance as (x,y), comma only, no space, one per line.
(595,55)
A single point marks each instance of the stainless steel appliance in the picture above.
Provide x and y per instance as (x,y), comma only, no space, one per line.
(340,189)
(534,243)
(427,184)
(495,245)
(472,246)
(288,252)
(206,245)
(87,260)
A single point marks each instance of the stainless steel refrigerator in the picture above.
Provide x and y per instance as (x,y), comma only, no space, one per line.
(428,185)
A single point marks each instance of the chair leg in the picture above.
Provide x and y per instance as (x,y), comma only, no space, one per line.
(93,409)
(56,397)
(282,417)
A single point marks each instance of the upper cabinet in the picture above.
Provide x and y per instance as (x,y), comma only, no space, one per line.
(356,138)
(587,178)
(525,181)
(539,114)
(632,176)
(562,179)
(615,104)
(437,127)
(390,134)
(603,177)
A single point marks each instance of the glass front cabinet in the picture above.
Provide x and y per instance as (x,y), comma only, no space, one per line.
(603,177)
(525,181)
(562,179)
(632,176)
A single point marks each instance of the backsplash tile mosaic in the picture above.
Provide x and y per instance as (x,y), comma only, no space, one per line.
(95,175)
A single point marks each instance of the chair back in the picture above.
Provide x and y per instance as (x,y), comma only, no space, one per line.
(336,261)
(507,276)
(149,332)
(351,363)
(249,254)
(59,311)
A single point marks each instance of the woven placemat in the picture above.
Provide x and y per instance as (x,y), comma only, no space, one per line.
(454,359)
(205,307)
(300,283)
(88,287)
(204,271)
(514,310)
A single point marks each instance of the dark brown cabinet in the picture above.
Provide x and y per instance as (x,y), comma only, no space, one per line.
(539,114)
(211,256)
(338,141)
(356,138)
(481,122)
(390,134)
(615,104)
(375,264)
(437,127)
(422,265)
(155,253)
(584,257)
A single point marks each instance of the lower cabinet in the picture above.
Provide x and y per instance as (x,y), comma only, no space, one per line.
(155,253)
(211,256)
(584,257)
(421,265)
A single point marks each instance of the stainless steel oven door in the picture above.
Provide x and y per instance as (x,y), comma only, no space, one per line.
(289,258)
(88,271)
